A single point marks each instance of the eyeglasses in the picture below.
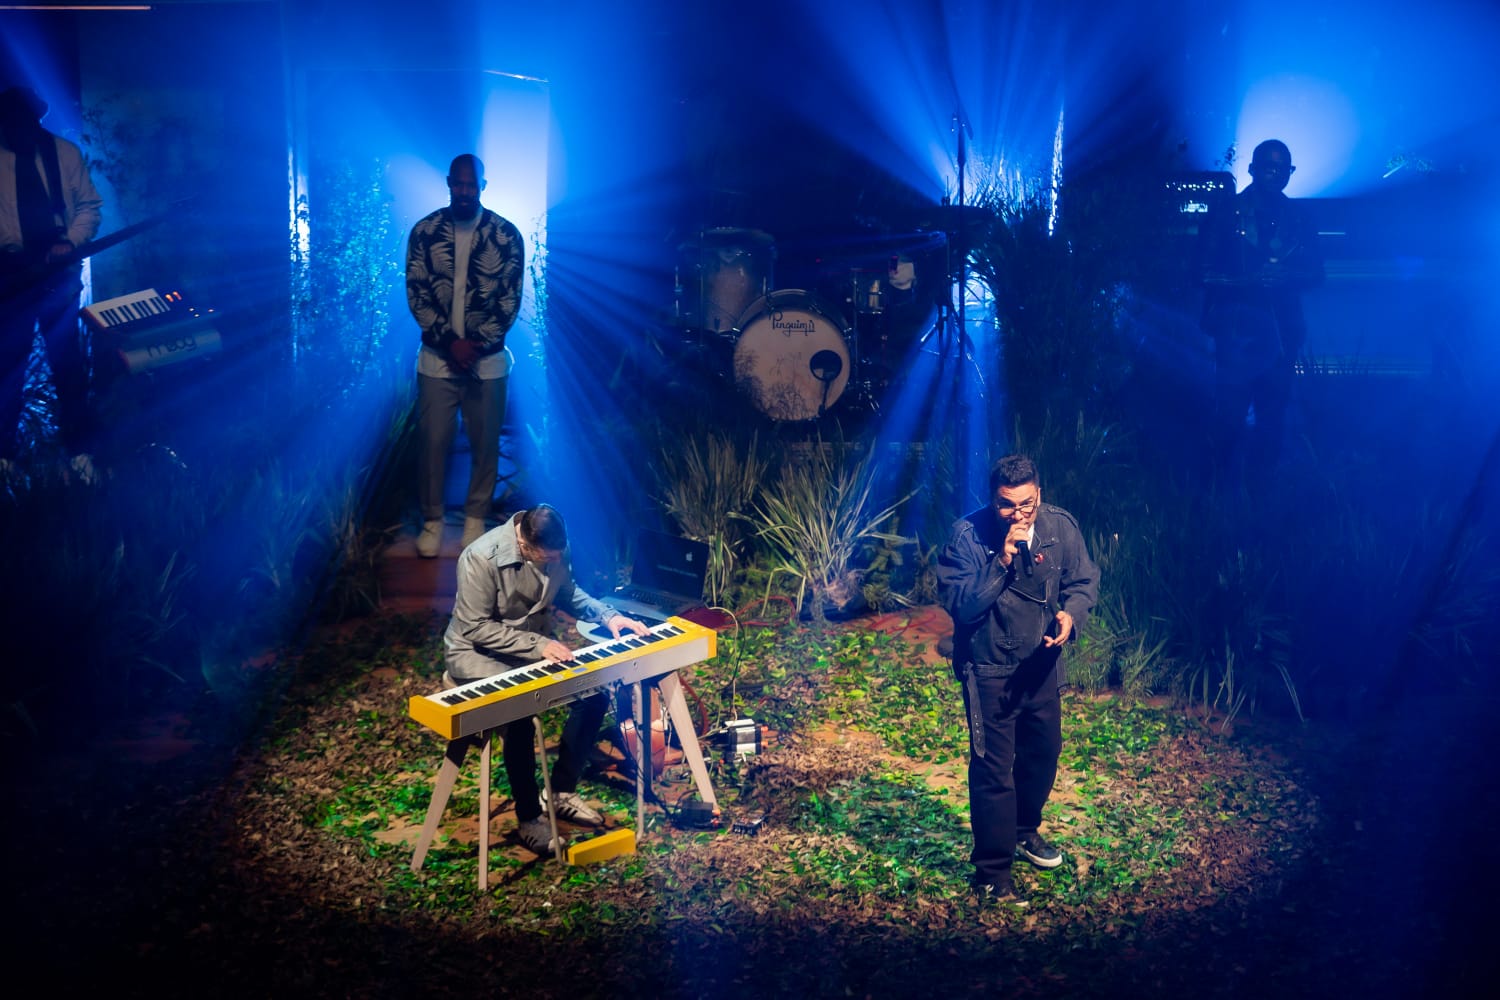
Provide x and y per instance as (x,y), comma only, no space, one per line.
(1005,508)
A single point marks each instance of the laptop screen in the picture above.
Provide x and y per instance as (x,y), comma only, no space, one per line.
(670,565)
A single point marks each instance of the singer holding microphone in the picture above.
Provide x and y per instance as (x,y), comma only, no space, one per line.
(1017,579)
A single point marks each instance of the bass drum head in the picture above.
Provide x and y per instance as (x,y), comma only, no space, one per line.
(792,356)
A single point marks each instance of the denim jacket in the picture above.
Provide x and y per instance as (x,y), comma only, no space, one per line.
(1000,614)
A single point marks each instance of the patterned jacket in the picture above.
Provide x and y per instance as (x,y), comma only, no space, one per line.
(497,265)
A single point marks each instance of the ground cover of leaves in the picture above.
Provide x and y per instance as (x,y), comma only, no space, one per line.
(272,857)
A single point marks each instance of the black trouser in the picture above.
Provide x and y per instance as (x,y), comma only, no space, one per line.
(1010,780)
(52,309)
(1247,453)
(579,735)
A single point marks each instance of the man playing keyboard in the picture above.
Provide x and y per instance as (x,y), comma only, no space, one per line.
(509,581)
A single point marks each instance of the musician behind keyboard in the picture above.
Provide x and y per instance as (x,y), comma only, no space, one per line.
(509,581)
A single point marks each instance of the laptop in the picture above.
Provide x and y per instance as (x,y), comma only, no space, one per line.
(667,575)
(666,579)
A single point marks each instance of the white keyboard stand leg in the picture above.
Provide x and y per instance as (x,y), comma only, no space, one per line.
(671,696)
(442,791)
(644,745)
(453,759)
(541,752)
(484,812)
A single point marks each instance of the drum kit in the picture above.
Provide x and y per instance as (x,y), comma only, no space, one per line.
(794,353)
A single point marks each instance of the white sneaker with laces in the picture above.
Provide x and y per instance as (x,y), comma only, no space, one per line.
(13,478)
(473,528)
(570,807)
(430,540)
(82,467)
(536,835)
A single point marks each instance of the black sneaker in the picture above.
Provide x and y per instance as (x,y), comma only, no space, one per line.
(999,894)
(1034,848)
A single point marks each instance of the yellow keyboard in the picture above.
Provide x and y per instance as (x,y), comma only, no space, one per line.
(530,690)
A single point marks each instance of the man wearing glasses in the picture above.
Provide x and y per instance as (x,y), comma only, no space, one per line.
(1256,253)
(1018,581)
(509,581)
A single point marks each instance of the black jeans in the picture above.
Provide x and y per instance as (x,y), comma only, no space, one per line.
(580,733)
(52,310)
(1010,781)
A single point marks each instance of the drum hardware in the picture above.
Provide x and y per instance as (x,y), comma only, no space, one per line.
(866,291)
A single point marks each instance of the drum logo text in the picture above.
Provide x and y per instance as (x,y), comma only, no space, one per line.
(787,327)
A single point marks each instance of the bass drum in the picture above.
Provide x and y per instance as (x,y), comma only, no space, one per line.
(792,356)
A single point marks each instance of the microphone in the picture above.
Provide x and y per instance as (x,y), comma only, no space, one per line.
(1023,553)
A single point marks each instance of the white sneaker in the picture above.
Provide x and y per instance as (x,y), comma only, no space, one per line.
(536,834)
(473,528)
(82,466)
(570,807)
(430,540)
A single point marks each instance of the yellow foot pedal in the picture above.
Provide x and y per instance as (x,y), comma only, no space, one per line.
(603,847)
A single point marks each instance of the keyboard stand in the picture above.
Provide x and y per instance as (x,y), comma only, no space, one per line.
(453,759)
(676,707)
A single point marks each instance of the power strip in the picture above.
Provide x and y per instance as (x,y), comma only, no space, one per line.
(751,826)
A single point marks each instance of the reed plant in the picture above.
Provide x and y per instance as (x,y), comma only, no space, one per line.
(817,517)
(706,485)
(97,613)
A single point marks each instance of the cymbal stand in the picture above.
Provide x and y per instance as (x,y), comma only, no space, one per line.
(957,242)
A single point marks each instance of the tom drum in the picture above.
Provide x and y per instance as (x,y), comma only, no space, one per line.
(720,273)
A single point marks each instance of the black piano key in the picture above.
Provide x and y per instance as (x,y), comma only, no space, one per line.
(454,699)
(586,657)
(489,688)
(554,668)
(469,695)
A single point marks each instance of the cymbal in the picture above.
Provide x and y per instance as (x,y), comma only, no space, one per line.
(955,218)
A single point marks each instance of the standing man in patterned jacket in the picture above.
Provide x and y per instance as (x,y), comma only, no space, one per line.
(1018,581)
(464,269)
